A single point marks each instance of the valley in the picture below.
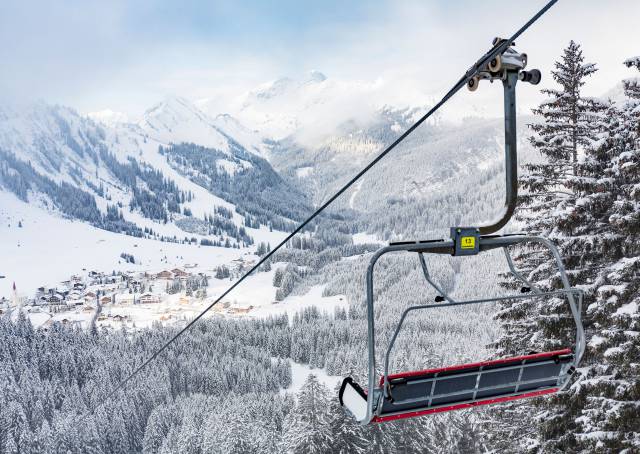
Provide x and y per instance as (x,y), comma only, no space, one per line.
(166,212)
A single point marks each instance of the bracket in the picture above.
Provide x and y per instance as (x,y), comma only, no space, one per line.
(466,240)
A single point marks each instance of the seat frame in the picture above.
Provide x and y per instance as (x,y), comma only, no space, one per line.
(377,393)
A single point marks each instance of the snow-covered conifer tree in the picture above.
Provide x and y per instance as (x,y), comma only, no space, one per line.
(549,205)
(556,204)
(606,401)
(307,428)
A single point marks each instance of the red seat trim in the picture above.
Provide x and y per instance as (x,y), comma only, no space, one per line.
(495,400)
(473,365)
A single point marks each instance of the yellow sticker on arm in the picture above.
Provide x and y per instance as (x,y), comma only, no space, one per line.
(468,242)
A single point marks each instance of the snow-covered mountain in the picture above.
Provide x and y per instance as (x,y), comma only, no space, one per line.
(176,120)
(54,139)
(139,179)
(109,117)
(252,140)
(182,174)
(311,107)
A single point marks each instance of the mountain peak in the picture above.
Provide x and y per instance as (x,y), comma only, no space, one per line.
(108,117)
(316,76)
(172,104)
(175,120)
(274,89)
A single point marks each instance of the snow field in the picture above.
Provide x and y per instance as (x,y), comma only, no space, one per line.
(48,249)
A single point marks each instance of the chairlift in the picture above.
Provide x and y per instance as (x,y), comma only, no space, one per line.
(416,393)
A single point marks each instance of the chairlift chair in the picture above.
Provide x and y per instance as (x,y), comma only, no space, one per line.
(417,393)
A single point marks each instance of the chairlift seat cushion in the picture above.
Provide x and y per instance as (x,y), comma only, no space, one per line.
(465,386)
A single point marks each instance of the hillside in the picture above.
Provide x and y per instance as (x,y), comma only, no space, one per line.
(60,168)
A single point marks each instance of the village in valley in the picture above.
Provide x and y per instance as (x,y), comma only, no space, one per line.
(132,299)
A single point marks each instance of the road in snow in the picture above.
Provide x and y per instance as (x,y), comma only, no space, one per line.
(355,192)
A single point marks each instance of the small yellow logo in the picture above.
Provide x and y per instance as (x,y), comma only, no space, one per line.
(468,242)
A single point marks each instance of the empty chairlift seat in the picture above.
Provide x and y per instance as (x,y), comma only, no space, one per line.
(425,392)
(452,388)
(410,394)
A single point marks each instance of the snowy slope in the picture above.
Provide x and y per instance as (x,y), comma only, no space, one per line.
(176,120)
(252,140)
(54,139)
(131,141)
(63,146)
(109,117)
(48,249)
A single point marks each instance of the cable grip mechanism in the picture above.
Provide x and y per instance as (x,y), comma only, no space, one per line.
(509,68)
(500,65)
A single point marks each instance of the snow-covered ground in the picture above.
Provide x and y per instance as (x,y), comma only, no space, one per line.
(300,372)
(366,238)
(303,172)
(294,303)
(256,290)
(40,317)
(48,249)
(176,120)
(255,297)
(42,249)
(174,309)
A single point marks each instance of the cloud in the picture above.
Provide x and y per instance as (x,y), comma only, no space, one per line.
(125,55)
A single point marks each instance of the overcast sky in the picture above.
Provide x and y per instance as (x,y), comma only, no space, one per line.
(127,55)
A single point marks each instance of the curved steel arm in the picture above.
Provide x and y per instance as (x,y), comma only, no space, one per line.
(510,155)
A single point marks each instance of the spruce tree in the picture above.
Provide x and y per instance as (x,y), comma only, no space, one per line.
(154,433)
(548,207)
(555,204)
(566,128)
(308,426)
(605,403)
